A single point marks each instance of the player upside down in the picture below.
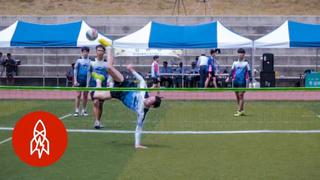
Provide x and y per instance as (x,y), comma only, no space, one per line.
(137,101)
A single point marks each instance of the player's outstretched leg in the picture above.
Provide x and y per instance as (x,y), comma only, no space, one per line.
(113,72)
(101,95)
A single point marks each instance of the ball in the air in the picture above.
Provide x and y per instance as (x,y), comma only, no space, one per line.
(92,34)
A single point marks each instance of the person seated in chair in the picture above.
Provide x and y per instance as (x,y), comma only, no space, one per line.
(165,80)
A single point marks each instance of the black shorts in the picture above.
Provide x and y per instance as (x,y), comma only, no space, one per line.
(82,84)
(212,74)
(125,83)
(155,80)
(120,94)
(239,85)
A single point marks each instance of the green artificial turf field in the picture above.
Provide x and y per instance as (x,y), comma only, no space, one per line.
(176,156)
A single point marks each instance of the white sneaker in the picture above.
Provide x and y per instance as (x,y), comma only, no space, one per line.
(76,114)
(101,125)
(97,125)
(239,113)
(84,113)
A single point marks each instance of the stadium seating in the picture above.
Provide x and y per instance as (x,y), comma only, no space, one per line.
(289,63)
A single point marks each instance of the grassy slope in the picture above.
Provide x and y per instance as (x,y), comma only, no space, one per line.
(159,7)
(111,156)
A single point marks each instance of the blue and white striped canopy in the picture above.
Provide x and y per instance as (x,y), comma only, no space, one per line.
(25,34)
(290,35)
(157,35)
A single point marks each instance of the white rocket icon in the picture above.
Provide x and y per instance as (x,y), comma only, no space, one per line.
(39,142)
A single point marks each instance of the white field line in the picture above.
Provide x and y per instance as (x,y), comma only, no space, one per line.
(65,116)
(6,140)
(316,131)
(199,132)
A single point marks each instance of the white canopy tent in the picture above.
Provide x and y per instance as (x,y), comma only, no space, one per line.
(209,35)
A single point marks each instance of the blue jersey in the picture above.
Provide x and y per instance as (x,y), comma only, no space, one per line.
(211,64)
(99,67)
(81,69)
(134,100)
(240,72)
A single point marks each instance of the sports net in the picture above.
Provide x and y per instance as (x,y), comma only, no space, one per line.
(192,135)
(182,111)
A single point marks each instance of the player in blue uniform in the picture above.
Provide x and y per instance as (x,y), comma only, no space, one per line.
(211,69)
(99,66)
(137,101)
(80,71)
(240,74)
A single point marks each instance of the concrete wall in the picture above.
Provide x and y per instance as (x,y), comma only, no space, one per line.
(288,62)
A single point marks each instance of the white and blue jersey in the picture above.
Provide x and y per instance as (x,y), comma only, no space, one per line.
(240,73)
(100,67)
(134,100)
(81,69)
(155,69)
(211,65)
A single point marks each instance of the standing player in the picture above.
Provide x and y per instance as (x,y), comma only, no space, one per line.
(80,72)
(203,67)
(99,66)
(211,69)
(137,101)
(155,72)
(240,74)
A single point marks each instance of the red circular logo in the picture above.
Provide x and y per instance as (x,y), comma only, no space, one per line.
(39,138)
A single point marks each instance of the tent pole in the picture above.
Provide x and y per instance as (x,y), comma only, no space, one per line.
(184,58)
(253,51)
(43,75)
(57,67)
(317,59)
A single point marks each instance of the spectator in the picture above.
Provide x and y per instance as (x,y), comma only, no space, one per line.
(203,65)
(18,62)
(193,79)
(2,63)
(222,80)
(180,74)
(226,71)
(70,74)
(166,79)
(10,65)
(196,61)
